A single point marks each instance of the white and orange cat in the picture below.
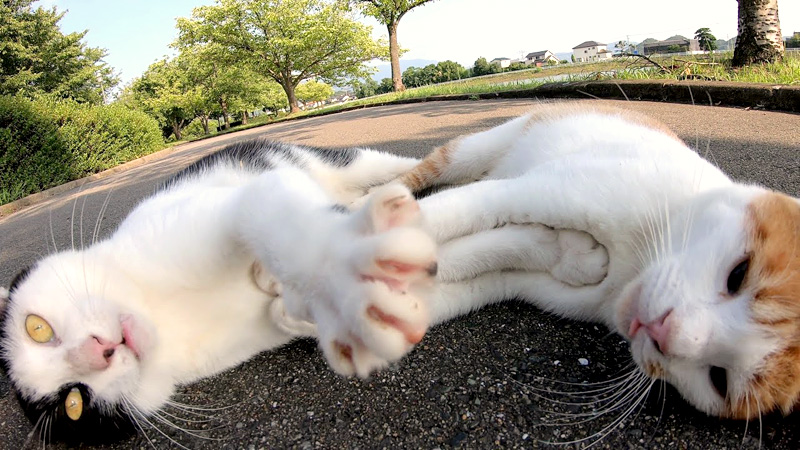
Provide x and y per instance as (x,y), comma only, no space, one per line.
(699,273)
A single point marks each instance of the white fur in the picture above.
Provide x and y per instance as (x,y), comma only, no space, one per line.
(672,224)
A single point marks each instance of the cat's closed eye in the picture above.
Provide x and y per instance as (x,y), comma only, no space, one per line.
(736,277)
(719,379)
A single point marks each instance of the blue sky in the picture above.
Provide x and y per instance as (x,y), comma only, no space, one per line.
(138,32)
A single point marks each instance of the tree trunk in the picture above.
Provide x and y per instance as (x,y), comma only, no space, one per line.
(176,128)
(224,107)
(759,39)
(244,117)
(204,121)
(290,95)
(394,52)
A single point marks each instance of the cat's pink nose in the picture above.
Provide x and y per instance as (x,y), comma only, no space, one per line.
(94,354)
(659,330)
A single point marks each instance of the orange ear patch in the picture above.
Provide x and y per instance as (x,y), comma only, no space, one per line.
(774,278)
(775,270)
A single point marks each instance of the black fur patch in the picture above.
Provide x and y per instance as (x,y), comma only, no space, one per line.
(18,278)
(93,427)
(335,157)
(259,155)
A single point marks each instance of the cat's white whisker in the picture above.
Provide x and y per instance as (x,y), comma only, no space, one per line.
(99,221)
(600,435)
(134,414)
(158,415)
(144,418)
(200,408)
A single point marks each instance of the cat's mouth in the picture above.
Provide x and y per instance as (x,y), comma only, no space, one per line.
(129,335)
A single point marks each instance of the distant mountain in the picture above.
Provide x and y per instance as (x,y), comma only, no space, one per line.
(385,69)
(564,55)
(677,37)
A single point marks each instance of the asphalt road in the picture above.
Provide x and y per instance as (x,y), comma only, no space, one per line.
(475,382)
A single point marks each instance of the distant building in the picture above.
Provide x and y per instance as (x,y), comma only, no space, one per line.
(541,58)
(591,51)
(672,46)
(502,62)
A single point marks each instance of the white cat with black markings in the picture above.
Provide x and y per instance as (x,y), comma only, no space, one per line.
(699,273)
(95,340)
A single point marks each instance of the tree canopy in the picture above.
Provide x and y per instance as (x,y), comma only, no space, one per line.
(37,58)
(287,40)
(389,13)
(708,41)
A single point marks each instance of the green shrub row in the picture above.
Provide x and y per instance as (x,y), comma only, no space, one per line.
(46,142)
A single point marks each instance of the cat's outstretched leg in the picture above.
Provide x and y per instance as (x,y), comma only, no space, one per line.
(542,198)
(358,276)
(572,257)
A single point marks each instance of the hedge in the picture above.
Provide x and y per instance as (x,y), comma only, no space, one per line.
(45,142)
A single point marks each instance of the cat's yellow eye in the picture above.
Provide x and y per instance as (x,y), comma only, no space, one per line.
(74,404)
(38,329)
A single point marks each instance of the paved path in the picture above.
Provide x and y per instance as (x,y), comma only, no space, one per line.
(471,382)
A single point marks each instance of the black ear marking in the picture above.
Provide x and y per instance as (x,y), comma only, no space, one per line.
(19,278)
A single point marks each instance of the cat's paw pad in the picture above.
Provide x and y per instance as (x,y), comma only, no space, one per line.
(380,316)
(584,261)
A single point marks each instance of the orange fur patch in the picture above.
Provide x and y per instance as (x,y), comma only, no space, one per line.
(774,277)
(427,172)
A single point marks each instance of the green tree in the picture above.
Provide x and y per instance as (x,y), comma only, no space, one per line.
(389,13)
(36,57)
(448,71)
(482,67)
(286,40)
(759,39)
(314,91)
(386,85)
(708,41)
(165,92)
(366,87)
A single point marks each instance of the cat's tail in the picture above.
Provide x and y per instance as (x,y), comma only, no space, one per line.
(465,158)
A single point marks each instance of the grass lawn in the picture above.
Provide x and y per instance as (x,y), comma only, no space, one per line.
(715,66)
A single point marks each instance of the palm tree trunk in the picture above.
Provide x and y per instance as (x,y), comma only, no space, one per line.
(394,52)
(759,39)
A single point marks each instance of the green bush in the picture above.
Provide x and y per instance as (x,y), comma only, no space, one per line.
(32,155)
(46,142)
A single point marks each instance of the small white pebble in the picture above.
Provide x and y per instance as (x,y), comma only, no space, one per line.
(583,361)
(556,363)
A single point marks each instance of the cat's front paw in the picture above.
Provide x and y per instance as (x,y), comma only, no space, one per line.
(377,311)
(583,261)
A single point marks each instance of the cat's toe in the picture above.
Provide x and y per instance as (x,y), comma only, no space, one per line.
(399,258)
(390,206)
